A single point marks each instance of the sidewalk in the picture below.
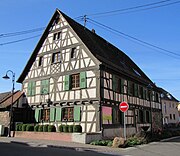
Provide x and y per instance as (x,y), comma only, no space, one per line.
(63,144)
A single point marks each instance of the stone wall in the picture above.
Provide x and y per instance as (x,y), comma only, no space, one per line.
(4,118)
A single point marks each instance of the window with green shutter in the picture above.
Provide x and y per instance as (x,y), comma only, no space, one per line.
(52,114)
(83,83)
(77,113)
(31,88)
(58,114)
(44,86)
(67,82)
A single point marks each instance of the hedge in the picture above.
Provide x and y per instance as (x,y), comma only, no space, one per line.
(29,128)
(36,128)
(51,128)
(77,128)
(45,128)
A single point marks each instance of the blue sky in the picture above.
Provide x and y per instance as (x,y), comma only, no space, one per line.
(158,26)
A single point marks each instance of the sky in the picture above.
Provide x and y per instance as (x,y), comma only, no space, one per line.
(158,26)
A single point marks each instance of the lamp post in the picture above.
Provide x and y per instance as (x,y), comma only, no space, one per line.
(11,108)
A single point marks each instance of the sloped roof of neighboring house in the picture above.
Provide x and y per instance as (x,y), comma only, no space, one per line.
(4,95)
(104,51)
(165,95)
(7,101)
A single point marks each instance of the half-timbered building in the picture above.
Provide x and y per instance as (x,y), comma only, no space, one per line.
(75,76)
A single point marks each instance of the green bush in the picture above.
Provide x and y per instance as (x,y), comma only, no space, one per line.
(51,128)
(134,141)
(66,128)
(70,129)
(24,127)
(36,128)
(45,128)
(29,128)
(40,128)
(19,127)
(102,142)
(77,128)
(60,128)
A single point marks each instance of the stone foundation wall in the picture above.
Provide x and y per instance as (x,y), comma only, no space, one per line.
(4,118)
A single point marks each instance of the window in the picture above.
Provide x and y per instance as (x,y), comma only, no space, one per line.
(45,115)
(73,53)
(31,88)
(68,114)
(174,117)
(56,36)
(156,97)
(130,88)
(75,81)
(56,57)
(130,117)
(40,61)
(115,83)
(140,92)
(140,117)
(117,116)
(147,116)
(44,86)
(170,115)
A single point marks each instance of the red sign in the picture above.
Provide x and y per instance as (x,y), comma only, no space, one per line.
(123,106)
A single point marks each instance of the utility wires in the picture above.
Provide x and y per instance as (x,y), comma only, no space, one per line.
(134,38)
(135,8)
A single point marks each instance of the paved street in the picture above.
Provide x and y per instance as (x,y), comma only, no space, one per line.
(9,149)
(26,147)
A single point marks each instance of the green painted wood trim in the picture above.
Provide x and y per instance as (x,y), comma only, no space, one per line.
(58,113)
(83,83)
(67,82)
(37,114)
(52,114)
(77,113)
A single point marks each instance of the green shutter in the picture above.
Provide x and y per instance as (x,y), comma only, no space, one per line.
(135,90)
(113,82)
(129,88)
(122,85)
(77,113)
(144,92)
(52,114)
(33,88)
(83,83)
(37,114)
(29,89)
(44,86)
(67,82)
(58,114)
(144,116)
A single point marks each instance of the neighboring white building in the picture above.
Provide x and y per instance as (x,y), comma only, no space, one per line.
(169,108)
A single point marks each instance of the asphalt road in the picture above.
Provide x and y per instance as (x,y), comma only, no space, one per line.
(19,147)
(14,149)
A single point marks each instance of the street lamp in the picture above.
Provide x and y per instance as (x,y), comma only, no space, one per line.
(11,108)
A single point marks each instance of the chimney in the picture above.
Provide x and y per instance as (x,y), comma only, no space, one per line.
(93,30)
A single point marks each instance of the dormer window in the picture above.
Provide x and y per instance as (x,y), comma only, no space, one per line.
(56,36)
(56,57)
(73,53)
